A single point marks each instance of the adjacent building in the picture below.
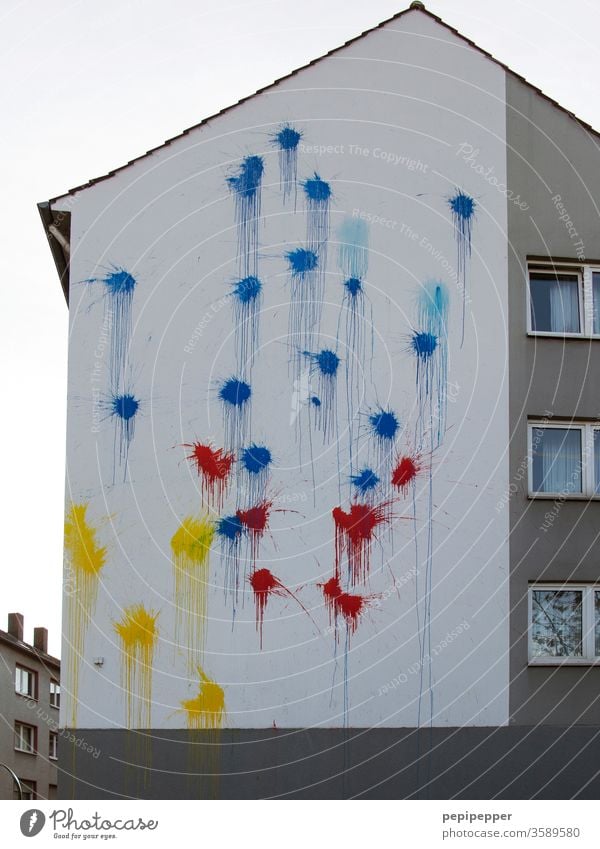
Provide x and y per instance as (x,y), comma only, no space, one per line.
(29,711)
(334,440)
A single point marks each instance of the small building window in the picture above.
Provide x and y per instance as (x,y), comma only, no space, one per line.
(53,746)
(54,694)
(28,789)
(563,299)
(25,738)
(564,623)
(564,459)
(26,682)
(555,302)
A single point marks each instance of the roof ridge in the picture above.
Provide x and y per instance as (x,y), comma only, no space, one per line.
(414,6)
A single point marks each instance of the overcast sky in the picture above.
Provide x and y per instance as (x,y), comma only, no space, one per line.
(89,85)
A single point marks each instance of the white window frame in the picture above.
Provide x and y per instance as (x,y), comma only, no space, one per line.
(578,271)
(19,669)
(589,658)
(53,746)
(56,703)
(589,271)
(19,738)
(588,484)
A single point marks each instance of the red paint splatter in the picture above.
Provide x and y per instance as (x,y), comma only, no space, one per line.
(348,605)
(354,533)
(256,521)
(214,468)
(351,606)
(405,472)
(332,591)
(264,584)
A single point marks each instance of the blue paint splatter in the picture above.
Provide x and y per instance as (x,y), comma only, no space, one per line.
(255,461)
(327,361)
(302,262)
(119,286)
(317,195)
(246,188)
(353,286)
(429,345)
(424,344)
(353,262)
(385,427)
(229,528)
(365,481)
(235,395)
(124,409)
(325,364)
(287,140)
(247,300)
(463,207)
(305,304)
(229,531)
(315,401)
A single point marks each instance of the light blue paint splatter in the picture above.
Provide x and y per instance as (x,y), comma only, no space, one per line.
(235,397)
(353,247)
(246,188)
(287,139)
(247,300)
(463,207)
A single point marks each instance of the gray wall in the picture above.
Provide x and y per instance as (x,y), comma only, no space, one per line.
(446,763)
(548,154)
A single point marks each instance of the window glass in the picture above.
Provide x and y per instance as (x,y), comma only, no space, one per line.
(554,303)
(25,682)
(597,623)
(556,460)
(557,623)
(596,299)
(24,737)
(54,694)
(53,746)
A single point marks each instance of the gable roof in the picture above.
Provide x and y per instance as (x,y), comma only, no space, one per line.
(55,232)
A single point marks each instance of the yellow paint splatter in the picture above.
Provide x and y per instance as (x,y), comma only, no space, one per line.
(205,714)
(84,561)
(138,634)
(191,549)
(207,710)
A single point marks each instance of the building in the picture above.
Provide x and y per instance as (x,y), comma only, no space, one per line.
(333,453)
(29,708)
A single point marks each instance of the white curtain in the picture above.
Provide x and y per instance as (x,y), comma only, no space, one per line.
(560,451)
(564,306)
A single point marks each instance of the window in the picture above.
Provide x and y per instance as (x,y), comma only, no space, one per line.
(564,623)
(52,791)
(564,459)
(25,738)
(26,682)
(28,789)
(53,746)
(55,689)
(555,302)
(563,299)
